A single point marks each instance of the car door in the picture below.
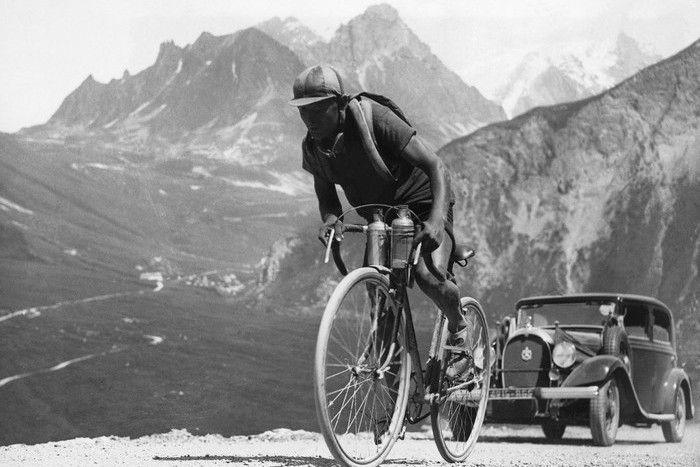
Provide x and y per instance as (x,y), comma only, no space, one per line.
(638,326)
(664,356)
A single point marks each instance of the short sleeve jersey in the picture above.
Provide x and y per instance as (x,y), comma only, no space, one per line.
(349,166)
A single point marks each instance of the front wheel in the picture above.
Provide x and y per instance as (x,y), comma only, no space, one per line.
(458,413)
(605,414)
(362,370)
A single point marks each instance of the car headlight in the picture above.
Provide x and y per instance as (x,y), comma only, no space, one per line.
(564,354)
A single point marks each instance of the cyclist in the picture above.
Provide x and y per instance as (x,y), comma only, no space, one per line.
(333,153)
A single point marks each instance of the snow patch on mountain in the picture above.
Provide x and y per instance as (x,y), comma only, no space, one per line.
(6,205)
(580,70)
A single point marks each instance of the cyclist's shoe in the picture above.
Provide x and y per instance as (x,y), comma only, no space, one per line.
(460,364)
(457,341)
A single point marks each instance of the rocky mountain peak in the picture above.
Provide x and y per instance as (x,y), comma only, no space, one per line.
(379,31)
(382,11)
(289,30)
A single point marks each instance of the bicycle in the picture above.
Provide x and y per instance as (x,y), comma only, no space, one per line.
(368,378)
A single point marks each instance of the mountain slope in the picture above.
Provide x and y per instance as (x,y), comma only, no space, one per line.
(597,195)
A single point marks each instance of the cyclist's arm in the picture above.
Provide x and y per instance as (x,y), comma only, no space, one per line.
(328,201)
(417,154)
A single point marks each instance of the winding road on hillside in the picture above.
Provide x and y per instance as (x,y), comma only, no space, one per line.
(499,446)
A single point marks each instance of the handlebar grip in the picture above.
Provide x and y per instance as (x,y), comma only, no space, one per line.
(354,228)
(338,259)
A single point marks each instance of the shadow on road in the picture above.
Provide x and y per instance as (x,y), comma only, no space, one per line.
(563,441)
(279,460)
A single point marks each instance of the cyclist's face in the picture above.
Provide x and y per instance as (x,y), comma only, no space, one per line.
(321,118)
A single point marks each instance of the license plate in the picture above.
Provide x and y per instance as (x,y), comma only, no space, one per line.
(511,393)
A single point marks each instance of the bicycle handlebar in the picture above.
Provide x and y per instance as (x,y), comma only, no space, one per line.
(414,257)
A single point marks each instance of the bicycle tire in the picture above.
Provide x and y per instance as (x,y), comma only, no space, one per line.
(353,398)
(457,417)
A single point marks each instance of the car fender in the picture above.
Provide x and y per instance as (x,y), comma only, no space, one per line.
(676,378)
(596,370)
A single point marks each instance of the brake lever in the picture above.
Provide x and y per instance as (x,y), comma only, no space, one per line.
(416,253)
(331,235)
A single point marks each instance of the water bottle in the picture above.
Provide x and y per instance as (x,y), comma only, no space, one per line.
(376,240)
(401,238)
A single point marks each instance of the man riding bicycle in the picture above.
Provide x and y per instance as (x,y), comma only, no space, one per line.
(334,154)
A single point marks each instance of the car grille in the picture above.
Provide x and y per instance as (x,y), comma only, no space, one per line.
(526,362)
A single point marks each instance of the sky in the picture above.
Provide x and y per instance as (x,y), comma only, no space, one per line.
(48,47)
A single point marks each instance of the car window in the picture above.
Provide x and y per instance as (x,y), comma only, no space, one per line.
(636,320)
(567,314)
(662,326)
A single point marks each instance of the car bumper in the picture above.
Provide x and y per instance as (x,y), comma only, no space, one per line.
(586,392)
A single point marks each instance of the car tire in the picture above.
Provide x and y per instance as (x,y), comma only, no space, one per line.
(605,414)
(615,342)
(553,429)
(675,429)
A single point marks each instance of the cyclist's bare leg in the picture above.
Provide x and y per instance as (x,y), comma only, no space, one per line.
(444,294)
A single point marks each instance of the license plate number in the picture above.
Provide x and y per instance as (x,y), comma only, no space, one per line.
(512,393)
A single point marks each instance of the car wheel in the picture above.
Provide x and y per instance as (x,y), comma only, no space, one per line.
(615,342)
(553,429)
(674,430)
(605,414)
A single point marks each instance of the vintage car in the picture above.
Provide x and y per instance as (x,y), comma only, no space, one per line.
(600,360)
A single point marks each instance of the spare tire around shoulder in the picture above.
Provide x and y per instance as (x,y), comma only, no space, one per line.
(615,342)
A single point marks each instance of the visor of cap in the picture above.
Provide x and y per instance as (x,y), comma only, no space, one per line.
(302,101)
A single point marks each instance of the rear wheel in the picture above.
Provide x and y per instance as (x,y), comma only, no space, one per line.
(674,430)
(459,413)
(361,374)
(605,414)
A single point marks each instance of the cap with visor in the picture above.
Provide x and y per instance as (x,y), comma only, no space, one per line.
(316,83)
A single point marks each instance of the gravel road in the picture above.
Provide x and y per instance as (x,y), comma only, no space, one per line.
(498,446)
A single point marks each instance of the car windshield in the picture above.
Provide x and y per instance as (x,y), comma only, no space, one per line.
(568,314)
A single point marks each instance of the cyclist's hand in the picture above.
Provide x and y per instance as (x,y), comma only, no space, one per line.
(332,224)
(430,236)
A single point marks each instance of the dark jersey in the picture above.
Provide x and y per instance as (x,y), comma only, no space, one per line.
(349,166)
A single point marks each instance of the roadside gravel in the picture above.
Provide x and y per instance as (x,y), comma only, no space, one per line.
(498,446)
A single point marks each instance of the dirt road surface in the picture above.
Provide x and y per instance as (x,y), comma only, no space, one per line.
(498,446)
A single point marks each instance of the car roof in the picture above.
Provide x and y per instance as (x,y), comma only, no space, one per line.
(586,297)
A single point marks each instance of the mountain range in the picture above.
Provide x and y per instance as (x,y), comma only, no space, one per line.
(573,74)
(224,97)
